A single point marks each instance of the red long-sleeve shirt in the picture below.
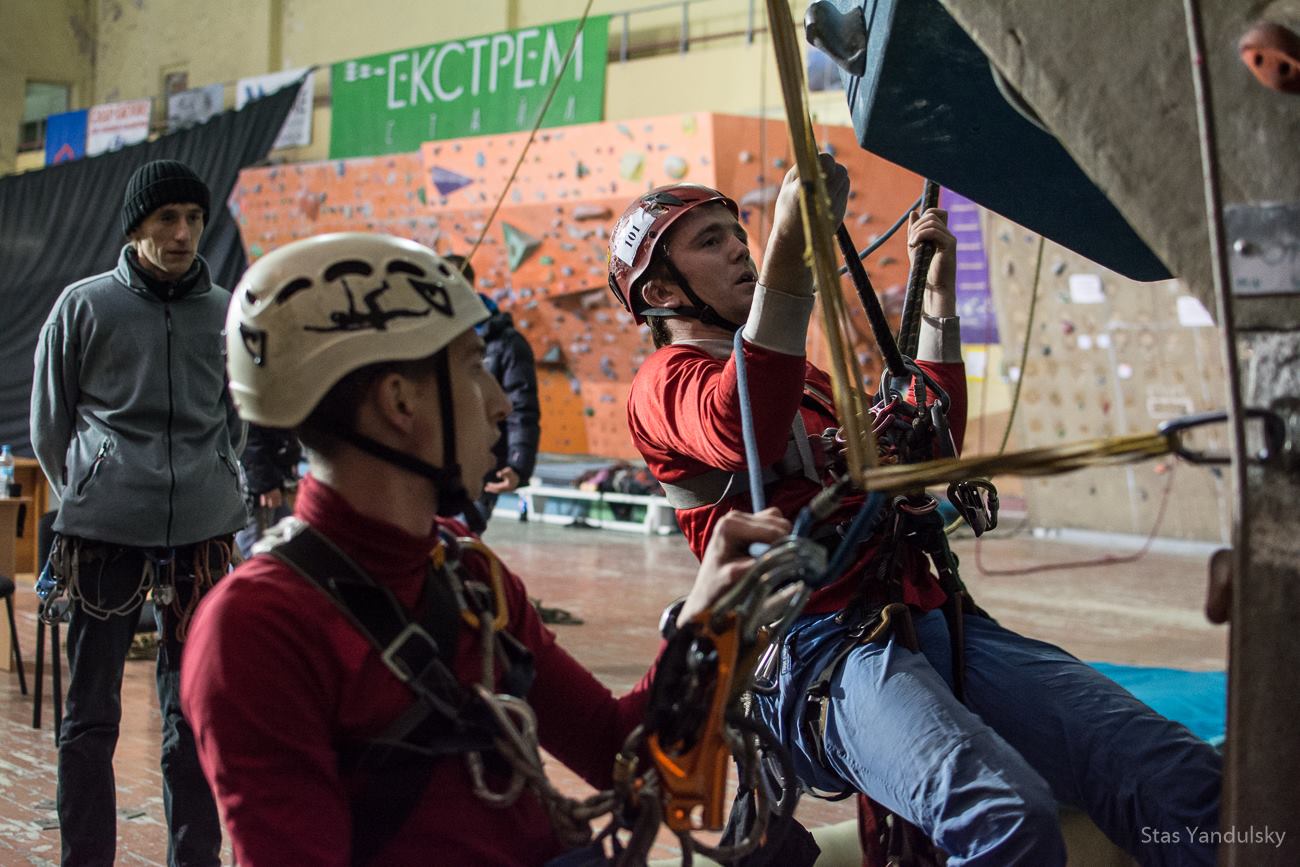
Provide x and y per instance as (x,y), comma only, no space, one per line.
(275,679)
(684,415)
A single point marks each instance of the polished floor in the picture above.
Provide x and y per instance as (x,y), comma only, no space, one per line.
(1144,613)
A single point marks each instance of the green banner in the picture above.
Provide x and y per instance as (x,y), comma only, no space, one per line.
(390,103)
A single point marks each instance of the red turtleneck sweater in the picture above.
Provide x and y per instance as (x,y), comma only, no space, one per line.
(275,678)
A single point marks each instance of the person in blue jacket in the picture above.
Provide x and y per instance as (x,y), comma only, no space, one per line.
(509,358)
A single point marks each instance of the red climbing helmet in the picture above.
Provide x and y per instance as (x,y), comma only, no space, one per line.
(638,232)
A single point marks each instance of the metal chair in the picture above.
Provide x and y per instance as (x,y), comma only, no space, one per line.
(7,591)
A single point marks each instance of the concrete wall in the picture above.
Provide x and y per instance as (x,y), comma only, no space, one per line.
(44,40)
(138,41)
(325,31)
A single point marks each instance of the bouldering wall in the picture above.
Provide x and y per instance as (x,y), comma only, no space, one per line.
(1108,356)
(543,258)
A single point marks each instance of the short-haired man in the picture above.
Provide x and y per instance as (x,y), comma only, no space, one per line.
(982,778)
(132,425)
(339,690)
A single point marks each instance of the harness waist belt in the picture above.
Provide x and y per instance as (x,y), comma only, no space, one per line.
(713,486)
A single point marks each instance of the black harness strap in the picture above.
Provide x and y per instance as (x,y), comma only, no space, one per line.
(394,767)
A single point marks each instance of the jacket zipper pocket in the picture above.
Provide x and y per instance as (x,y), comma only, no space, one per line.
(94,467)
(230,468)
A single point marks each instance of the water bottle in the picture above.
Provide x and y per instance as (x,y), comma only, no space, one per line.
(6,470)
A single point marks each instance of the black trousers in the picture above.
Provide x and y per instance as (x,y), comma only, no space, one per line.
(97,650)
(485,504)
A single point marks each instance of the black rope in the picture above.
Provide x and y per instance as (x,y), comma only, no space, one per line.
(909,330)
(871,304)
(889,233)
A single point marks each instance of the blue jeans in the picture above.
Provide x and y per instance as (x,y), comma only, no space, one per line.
(983,779)
(97,650)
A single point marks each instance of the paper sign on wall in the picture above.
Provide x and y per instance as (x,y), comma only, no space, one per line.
(1192,313)
(296,131)
(1087,289)
(65,137)
(115,125)
(191,107)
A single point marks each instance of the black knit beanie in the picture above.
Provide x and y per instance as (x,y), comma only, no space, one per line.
(161,182)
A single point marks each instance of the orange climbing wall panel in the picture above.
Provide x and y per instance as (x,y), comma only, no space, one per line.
(543,258)
(565,428)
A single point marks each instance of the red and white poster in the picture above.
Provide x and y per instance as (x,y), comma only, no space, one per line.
(117,124)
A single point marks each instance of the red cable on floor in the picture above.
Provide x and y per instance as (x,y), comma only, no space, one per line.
(1108,560)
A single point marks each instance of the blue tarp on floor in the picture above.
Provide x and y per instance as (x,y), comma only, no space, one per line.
(1197,699)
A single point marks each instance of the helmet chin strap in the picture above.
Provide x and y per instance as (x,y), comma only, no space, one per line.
(453,499)
(699,310)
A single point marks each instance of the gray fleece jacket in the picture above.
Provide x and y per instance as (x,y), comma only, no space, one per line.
(130,419)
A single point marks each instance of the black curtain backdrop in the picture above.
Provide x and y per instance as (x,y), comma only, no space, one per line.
(61,224)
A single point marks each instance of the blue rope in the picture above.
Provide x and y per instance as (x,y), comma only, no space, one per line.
(803,523)
(863,523)
(747,427)
(889,233)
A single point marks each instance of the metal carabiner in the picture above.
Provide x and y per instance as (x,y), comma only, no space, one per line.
(976,500)
(501,614)
(1274,430)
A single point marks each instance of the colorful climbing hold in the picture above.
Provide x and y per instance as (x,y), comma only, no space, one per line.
(519,245)
(447,181)
(675,167)
(629,167)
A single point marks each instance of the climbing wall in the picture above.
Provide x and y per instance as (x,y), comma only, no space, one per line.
(543,257)
(1108,356)
(280,204)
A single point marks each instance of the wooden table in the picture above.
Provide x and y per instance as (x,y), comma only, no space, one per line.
(27,472)
(9,507)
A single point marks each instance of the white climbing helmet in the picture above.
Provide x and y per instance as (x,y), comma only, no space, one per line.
(309,313)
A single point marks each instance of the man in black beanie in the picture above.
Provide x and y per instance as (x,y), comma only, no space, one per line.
(135,431)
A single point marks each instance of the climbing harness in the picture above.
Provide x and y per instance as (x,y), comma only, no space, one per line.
(713,486)
(489,724)
(706,665)
(59,586)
